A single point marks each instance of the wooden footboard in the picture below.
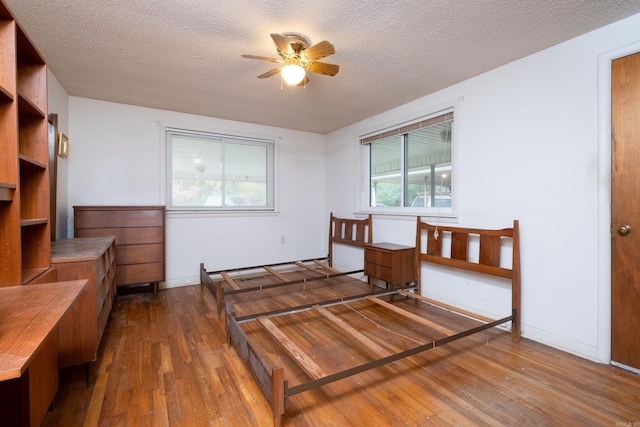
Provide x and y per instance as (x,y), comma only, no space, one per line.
(215,288)
(270,380)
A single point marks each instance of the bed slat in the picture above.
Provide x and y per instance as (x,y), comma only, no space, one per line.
(411,316)
(230,281)
(445,306)
(360,232)
(434,243)
(276,274)
(367,342)
(459,245)
(490,250)
(300,357)
(310,268)
(325,266)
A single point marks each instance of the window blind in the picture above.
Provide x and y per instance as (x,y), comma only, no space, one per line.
(432,121)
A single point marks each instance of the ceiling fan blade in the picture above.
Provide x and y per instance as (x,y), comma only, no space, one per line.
(320,50)
(324,68)
(262,58)
(269,73)
(282,43)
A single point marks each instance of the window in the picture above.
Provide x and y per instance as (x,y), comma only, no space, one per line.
(411,166)
(218,172)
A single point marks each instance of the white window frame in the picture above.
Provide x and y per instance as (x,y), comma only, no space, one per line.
(269,141)
(364,190)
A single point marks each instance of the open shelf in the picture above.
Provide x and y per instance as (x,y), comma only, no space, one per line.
(26,106)
(25,240)
(30,274)
(6,191)
(34,221)
(5,94)
(7,58)
(28,162)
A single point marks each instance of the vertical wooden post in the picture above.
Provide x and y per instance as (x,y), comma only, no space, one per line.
(277,395)
(228,312)
(417,259)
(331,240)
(515,283)
(219,296)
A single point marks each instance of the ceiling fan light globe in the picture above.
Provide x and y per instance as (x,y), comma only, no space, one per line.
(293,74)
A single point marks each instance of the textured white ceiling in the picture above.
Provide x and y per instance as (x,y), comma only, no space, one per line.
(185,55)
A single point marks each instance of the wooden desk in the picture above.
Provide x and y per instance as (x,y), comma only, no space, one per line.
(29,317)
(81,330)
(391,263)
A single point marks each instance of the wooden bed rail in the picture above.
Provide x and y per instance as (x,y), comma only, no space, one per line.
(486,261)
(270,380)
(352,232)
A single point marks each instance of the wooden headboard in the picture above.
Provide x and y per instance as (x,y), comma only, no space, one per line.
(485,261)
(352,232)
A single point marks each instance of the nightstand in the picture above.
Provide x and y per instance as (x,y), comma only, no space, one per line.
(391,263)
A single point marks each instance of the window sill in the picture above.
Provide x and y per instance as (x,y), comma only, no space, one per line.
(410,213)
(217,213)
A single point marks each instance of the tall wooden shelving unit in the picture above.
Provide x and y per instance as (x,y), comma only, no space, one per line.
(25,245)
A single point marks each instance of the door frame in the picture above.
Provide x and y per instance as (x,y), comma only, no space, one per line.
(604,196)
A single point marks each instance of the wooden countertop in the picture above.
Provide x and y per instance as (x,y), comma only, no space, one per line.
(79,249)
(28,314)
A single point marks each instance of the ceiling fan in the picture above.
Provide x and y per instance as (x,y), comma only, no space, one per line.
(297,57)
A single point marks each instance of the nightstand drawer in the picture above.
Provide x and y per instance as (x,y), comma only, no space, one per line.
(378,257)
(378,271)
(391,263)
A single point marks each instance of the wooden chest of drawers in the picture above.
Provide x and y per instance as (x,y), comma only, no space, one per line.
(81,329)
(139,233)
(391,263)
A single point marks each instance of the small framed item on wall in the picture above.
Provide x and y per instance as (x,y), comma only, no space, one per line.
(63,145)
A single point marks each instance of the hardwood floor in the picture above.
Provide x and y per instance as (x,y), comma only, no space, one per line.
(164,362)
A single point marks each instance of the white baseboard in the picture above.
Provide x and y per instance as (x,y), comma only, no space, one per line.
(576,348)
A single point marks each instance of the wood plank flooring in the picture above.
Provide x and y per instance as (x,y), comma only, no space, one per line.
(164,362)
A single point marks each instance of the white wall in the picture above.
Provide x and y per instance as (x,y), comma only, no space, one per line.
(117,158)
(528,149)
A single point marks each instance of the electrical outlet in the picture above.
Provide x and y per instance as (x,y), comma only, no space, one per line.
(282,239)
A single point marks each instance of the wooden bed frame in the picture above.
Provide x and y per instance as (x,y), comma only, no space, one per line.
(350,232)
(344,231)
(459,256)
(271,379)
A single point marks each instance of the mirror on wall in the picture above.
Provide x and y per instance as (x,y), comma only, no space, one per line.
(53,172)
